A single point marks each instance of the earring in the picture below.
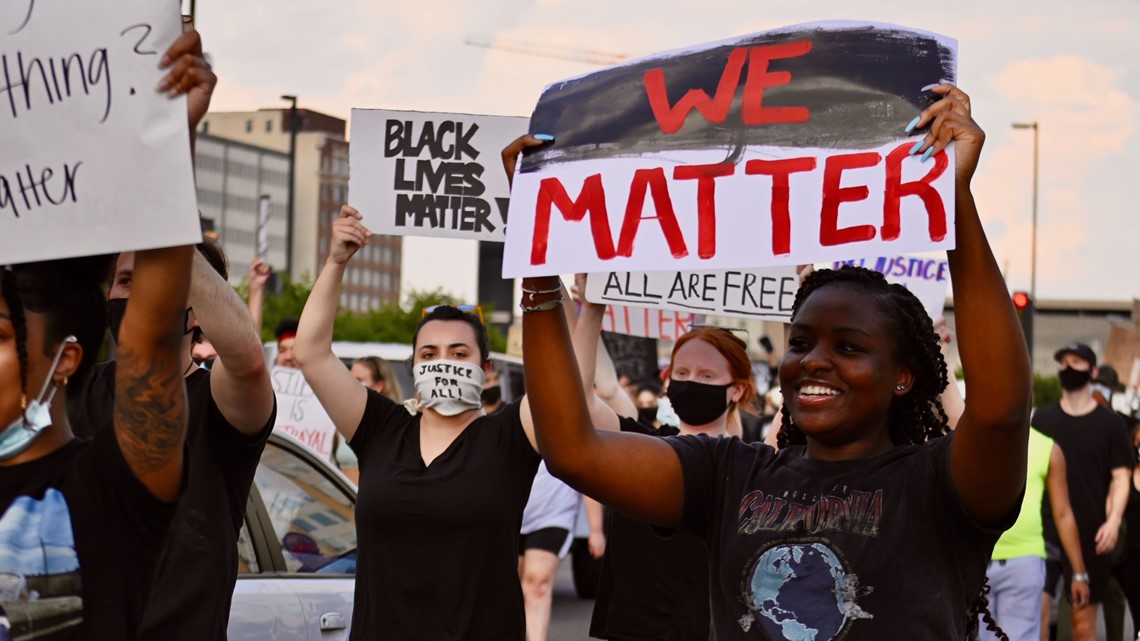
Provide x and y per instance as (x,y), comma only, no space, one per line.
(23,401)
(64,384)
(900,387)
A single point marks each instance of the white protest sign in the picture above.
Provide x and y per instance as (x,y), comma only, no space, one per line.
(760,294)
(299,413)
(95,160)
(678,162)
(646,323)
(928,278)
(431,174)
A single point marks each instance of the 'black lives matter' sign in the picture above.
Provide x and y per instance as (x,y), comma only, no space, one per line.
(431,174)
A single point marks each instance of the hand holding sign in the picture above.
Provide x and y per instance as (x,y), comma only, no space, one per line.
(348,236)
(953,123)
(189,74)
(511,153)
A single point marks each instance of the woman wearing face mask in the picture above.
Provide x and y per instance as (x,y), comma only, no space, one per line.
(442,485)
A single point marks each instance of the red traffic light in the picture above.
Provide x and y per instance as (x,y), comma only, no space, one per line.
(1020,300)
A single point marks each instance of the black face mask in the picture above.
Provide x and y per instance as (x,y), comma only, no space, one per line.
(647,415)
(491,395)
(1074,379)
(117,310)
(698,403)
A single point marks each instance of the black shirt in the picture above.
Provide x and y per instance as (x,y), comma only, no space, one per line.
(198,567)
(874,548)
(438,544)
(80,538)
(650,587)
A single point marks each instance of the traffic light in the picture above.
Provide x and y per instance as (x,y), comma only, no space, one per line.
(1023,303)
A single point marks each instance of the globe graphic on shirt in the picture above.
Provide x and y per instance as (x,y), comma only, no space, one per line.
(802,592)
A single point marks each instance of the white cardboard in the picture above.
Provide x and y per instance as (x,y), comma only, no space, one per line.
(299,413)
(647,323)
(758,294)
(927,277)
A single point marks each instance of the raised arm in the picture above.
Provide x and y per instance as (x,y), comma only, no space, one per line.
(1066,523)
(150,395)
(189,74)
(239,379)
(258,277)
(1117,500)
(639,475)
(342,397)
(987,459)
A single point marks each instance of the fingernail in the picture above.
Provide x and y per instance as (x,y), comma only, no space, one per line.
(163,85)
(914,123)
(929,152)
(914,150)
(544,137)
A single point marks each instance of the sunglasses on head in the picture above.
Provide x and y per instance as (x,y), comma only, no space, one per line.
(474,310)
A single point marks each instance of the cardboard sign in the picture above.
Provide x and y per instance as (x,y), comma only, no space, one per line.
(299,413)
(926,277)
(765,294)
(780,148)
(95,160)
(431,174)
(632,356)
(646,323)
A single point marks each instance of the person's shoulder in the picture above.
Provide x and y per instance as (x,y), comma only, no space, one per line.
(629,424)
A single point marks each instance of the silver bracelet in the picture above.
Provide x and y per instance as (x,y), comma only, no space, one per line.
(554,303)
(1081,578)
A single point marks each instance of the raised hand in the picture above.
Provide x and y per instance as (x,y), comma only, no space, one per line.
(189,74)
(511,153)
(951,121)
(348,236)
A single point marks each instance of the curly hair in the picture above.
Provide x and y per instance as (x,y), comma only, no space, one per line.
(917,416)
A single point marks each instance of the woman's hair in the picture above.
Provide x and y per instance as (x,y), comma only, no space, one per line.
(380,370)
(449,313)
(917,416)
(735,351)
(70,294)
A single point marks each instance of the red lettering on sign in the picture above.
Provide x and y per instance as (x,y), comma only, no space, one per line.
(706,176)
(592,200)
(752,108)
(779,170)
(834,195)
(896,189)
(671,118)
(654,180)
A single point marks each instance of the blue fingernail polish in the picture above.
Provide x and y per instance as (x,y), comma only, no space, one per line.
(544,137)
(918,145)
(914,123)
(926,156)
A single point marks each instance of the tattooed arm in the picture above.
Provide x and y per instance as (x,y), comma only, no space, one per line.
(150,395)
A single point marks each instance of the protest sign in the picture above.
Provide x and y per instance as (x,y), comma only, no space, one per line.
(431,174)
(760,294)
(646,323)
(632,356)
(927,278)
(779,148)
(299,413)
(1123,349)
(95,160)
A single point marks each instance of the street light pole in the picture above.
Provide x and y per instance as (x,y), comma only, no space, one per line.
(292,179)
(1033,259)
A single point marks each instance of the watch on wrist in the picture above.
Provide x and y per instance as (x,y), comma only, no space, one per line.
(1081,578)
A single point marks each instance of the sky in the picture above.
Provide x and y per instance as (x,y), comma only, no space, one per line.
(1072,67)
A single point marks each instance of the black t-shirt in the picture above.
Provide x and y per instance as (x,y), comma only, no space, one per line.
(438,544)
(80,538)
(650,587)
(1093,445)
(198,567)
(875,548)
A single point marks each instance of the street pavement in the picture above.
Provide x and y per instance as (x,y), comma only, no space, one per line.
(570,620)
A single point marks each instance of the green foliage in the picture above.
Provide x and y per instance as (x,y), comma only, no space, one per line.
(286,304)
(1046,390)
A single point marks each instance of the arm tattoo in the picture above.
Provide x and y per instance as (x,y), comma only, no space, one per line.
(150,410)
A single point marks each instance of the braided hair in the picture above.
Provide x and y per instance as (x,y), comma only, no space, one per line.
(917,416)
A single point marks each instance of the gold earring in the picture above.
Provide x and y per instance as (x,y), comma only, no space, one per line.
(23,401)
(64,382)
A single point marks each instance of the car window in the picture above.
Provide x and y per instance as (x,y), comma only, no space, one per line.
(311,516)
(247,558)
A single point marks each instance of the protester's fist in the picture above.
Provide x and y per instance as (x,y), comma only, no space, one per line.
(511,153)
(348,236)
(259,273)
(951,121)
(189,74)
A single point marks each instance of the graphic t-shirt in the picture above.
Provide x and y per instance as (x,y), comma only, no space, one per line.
(198,568)
(80,538)
(651,587)
(874,548)
(438,544)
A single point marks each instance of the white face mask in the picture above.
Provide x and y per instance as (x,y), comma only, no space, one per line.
(448,387)
(36,417)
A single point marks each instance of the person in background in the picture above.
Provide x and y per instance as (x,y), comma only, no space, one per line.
(286,333)
(376,374)
(1127,571)
(258,278)
(492,395)
(646,403)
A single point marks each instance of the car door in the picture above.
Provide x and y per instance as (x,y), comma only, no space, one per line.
(298,550)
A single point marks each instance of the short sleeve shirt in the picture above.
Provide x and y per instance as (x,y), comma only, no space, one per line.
(875,548)
(438,544)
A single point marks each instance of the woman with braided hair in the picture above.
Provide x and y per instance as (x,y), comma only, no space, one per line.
(873,522)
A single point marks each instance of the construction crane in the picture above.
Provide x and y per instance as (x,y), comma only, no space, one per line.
(588,56)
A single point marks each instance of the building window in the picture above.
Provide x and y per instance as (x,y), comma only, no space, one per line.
(268,126)
(249,126)
(206,127)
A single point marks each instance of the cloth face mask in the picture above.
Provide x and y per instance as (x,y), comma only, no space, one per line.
(448,387)
(36,417)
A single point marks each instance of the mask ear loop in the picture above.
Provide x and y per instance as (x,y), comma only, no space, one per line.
(48,388)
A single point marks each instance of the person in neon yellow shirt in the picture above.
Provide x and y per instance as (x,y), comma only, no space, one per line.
(1017,569)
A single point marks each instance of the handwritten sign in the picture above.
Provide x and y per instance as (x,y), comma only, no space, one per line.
(765,294)
(646,323)
(926,277)
(95,160)
(779,148)
(632,356)
(299,413)
(431,174)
